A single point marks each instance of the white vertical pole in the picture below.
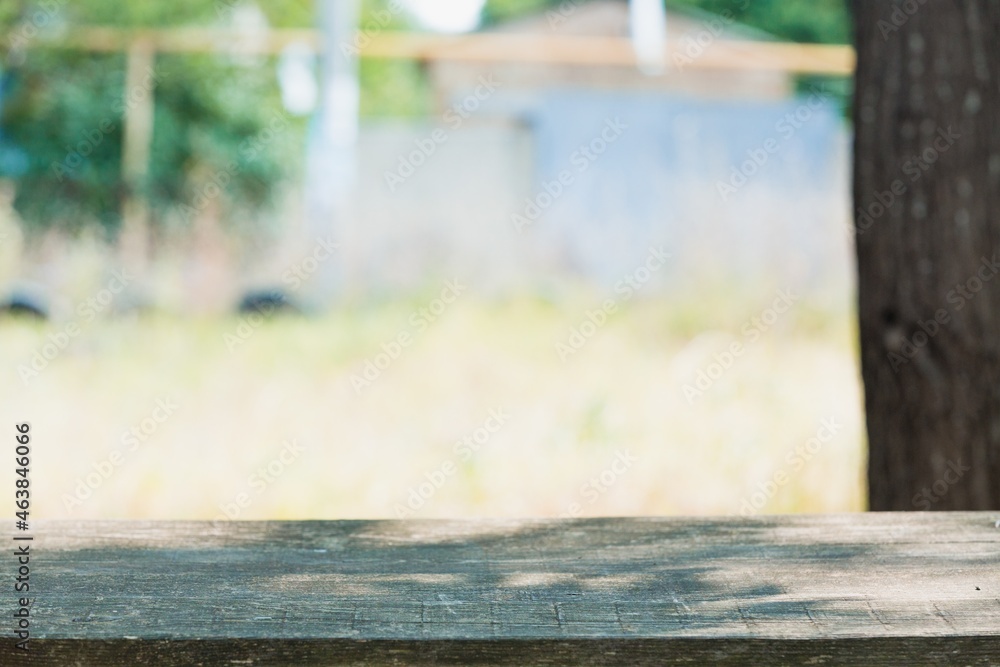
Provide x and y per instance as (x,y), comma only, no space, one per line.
(332,162)
(648,28)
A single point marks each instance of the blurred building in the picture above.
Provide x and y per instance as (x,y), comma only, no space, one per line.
(536,172)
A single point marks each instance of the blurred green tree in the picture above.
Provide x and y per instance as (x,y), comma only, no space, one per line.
(218,120)
(63,113)
(808,21)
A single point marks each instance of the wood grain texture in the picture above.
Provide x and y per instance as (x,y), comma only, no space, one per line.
(865,589)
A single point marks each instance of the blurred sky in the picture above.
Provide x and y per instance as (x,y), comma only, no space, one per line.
(447,15)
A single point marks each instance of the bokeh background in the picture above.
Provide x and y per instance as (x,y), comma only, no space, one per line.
(395,259)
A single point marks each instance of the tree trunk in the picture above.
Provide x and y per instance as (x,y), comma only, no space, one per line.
(927,229)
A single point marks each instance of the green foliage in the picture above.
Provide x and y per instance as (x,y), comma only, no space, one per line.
(53,121)
(498,11)
(393,88)
(810,21)
(389,87)
(64,112)
(218,121)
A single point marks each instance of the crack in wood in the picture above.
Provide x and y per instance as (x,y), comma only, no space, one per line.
(877,615)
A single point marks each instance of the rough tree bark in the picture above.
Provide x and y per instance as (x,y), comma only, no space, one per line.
(927,230)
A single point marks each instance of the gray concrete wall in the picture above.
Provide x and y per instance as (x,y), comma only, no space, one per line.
(659,182)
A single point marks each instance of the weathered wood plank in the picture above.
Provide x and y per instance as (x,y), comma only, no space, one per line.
(867,589)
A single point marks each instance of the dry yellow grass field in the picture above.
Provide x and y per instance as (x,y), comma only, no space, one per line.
(165,416)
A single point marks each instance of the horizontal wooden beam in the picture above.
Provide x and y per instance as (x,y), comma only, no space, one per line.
(864,589)
(177,40)
(615,51)
(477,47)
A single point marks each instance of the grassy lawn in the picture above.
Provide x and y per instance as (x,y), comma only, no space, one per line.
(170,417)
